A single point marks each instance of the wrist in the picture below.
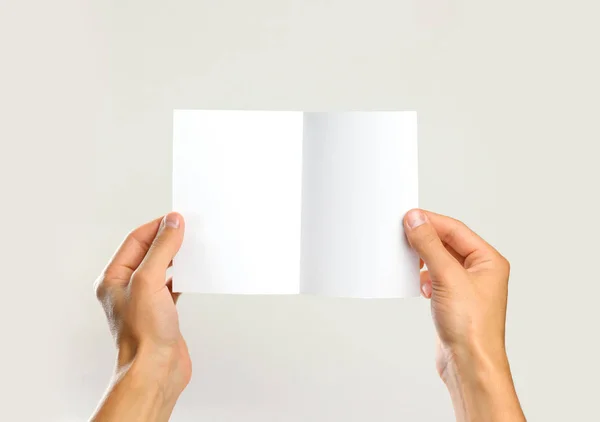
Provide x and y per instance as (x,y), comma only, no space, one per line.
(476,365)
(157,370)
(480,385)
(145,388)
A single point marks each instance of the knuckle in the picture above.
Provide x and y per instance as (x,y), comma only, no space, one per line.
(139,275)
(504,264)
(507,265)
(100,287)
(459,223)
(456,227)
(424,239)
(159,243)
(460,226)
(130,236)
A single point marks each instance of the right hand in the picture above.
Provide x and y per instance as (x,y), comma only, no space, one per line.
(467,281)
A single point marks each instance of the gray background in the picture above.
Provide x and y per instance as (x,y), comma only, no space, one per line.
(507,95)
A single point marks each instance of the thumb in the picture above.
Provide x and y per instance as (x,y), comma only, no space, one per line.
(424,239)
(165,246)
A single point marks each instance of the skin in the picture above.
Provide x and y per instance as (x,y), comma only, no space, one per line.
(153,364)
(466,280)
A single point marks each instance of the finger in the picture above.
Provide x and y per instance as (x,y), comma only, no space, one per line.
(164,247)
(424,239)
(131,252)
(426,288)
(456,255)
(467,244)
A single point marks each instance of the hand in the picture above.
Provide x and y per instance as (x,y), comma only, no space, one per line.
(140,308)
(467,281)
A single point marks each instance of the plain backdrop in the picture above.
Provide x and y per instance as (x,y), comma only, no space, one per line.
(507,95)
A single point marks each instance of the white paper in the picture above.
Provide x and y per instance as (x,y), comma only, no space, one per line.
(292,202)
(236,181)
(359,179)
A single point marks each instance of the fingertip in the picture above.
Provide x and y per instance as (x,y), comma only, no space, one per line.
(414,218)
(425,284)
(173,220)
(426,289)
(405,218)
(166,243)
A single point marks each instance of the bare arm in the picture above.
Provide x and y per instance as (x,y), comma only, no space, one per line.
(153,363)
(467,282)
(482,389)
(141,391)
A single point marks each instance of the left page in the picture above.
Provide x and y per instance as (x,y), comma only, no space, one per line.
(237,182)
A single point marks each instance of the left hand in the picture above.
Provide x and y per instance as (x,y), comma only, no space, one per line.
(140,305)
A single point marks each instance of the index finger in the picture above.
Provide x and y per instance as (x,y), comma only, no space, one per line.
(461,238)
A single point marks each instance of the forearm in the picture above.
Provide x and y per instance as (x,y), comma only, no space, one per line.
(140,391)
(482,389)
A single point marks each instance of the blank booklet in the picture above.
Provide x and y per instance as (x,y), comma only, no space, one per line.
(285,202)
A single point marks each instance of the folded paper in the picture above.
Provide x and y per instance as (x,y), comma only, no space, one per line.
(280,202)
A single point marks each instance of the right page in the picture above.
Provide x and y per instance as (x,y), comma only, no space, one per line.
(360,176)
